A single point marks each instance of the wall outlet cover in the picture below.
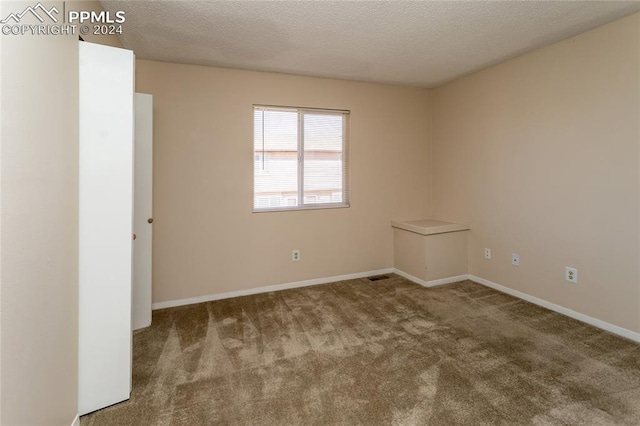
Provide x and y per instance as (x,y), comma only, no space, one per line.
(571,275)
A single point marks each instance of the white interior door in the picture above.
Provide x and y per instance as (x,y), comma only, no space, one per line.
(142,210)
(105,216)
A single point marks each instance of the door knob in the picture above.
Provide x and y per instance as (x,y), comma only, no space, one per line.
(150,220)
(135,236)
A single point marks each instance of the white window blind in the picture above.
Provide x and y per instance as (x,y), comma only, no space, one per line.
(299,158)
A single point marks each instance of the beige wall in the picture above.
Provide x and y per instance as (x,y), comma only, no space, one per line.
(207,240)
(540,156)
(38,205)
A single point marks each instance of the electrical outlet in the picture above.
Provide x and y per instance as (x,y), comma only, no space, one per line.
(515,259)
(487,253)
(571,275)
(295,255)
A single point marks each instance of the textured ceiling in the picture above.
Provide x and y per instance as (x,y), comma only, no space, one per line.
(419,43)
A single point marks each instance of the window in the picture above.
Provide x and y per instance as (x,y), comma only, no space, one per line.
(299,158)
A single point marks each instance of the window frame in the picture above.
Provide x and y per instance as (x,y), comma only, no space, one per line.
(346,175)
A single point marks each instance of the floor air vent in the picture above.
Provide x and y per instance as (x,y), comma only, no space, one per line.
(378,277)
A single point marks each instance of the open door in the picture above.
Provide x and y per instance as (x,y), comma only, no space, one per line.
(105,216)
(143,211)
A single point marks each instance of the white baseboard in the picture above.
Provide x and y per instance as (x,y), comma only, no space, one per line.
(257,290)
(631,335)
(76,421)
(431,283)
(620,331)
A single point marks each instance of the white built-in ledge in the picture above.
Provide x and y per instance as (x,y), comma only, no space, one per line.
(428,226)
(430,250)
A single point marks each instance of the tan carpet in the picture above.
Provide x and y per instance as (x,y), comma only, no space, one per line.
(384,352)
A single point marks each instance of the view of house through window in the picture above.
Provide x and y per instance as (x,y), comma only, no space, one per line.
(299,158)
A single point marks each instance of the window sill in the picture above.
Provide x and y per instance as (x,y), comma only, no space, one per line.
(300,208)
